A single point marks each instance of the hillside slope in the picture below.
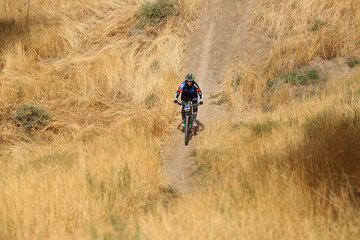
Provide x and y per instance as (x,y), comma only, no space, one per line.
(278,159)
(285,162)
(80,124)
(218,36)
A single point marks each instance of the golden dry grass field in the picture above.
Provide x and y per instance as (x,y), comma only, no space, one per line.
(105,83)
(284,166)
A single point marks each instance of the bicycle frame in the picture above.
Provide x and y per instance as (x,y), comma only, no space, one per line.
(188,110)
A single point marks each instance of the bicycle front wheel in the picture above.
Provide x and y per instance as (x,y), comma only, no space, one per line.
(187,130)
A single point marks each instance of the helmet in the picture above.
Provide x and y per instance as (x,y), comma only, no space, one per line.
(189,77)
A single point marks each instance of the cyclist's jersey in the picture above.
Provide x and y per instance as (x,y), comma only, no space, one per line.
(189,93)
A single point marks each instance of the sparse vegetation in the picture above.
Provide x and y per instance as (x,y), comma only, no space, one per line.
(262,127)
(215,96)
(153,13)
(352,61)
(239,125)
(236,82)
(317,25)
(31,117)
(155,65)
(150,100)
(267,108)
(222,100)
(294,78)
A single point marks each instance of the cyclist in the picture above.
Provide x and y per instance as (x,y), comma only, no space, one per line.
(189,90)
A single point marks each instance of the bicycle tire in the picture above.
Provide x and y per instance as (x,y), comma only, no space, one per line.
(186,130)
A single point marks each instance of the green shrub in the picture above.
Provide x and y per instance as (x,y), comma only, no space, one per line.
(312,76)
(273,84)
(307,78)
(31,117)
(352,62)
(153,13)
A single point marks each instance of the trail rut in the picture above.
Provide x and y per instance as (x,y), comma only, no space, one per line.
(220,34)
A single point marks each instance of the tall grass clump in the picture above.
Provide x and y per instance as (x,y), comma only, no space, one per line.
(31,116)
(153,13)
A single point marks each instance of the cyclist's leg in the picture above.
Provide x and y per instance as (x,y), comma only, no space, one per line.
(195,112)
(182,115)
(184,99)
(182,111)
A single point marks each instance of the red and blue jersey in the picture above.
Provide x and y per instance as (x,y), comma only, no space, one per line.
(189,92)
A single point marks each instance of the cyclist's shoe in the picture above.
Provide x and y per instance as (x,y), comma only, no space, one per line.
(195,123)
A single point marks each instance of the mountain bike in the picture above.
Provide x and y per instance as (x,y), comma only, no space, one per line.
(188,128)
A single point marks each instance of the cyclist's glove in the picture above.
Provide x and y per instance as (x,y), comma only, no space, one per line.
(201,102)
(175,101)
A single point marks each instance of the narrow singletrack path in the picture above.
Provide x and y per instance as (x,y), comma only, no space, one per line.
(220,34)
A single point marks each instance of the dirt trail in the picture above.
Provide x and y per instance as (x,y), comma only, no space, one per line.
(220,34)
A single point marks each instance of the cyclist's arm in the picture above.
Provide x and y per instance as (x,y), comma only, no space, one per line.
(179,90)
(198,90)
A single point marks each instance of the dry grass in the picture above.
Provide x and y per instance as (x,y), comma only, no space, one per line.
(295,177)
(94,172)
(292,172)
(291,35)
(88,66)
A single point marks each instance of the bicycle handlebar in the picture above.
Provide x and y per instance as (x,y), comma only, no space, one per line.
(192,104)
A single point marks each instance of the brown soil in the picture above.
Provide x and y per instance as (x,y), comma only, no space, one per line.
(220,35)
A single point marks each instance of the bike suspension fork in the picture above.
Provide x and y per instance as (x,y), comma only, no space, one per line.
(194,116)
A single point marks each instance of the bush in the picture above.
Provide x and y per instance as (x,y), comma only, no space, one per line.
(307,78)
(155,12)
(352,62)
(274,84)
(31,117)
